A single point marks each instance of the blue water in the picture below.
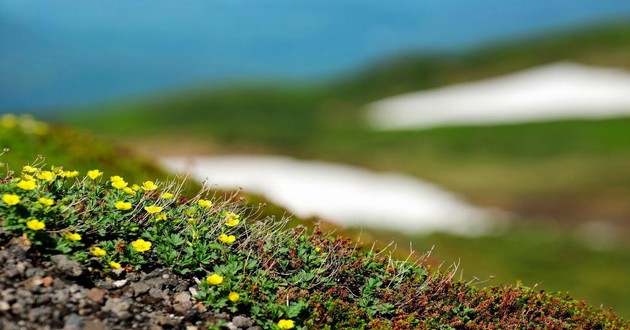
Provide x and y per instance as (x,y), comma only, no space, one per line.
(56,53)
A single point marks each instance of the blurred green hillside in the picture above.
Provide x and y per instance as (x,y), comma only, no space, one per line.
(566,170)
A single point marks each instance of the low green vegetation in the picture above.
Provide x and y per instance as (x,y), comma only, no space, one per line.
(591,263)
(281,278)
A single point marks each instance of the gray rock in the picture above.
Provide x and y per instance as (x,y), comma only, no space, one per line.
(105,285)
(255,328)
(119,307)
(242,322)
(60,297)
(69,267)
(73,322)
(156,293)
(4,306)
(140,288)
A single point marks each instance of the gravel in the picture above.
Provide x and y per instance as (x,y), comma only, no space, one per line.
(59,293)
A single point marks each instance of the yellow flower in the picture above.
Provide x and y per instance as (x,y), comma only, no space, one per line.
(114,264)
(27,184)
(46,201)
(10,199)
(28,177)
(317,249)
(93,174)
(119,184)
(97,251)
(148,186)
(129,191)
(69,174)
(205,203)
(116,178)
(35,225)
(232,219)
(121,205)
(286,324)
(153,209)
(227,239)
(215,279)
(141,245)
(233,296)
(29,169)
(135,187)
(166,195)
(161,216)
(191,221)
(73,236)
(46,175)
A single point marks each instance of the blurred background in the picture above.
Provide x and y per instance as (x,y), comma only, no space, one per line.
(494,133)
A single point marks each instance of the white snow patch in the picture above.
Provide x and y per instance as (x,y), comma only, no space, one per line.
(551,92)
(346,195)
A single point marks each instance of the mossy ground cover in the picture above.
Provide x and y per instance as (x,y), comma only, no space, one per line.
(280,278)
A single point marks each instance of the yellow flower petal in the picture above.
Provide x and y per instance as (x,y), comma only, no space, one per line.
(93,174)
(97,251)
(227,239)
(46,201)
(141,245)
(35,225)
(286,324)
(73,236)
(121,205)
(233,296)
(27,184)
(215,279)
(114,265)
(10,199)
(148,186)
(153,209)
(205,203)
